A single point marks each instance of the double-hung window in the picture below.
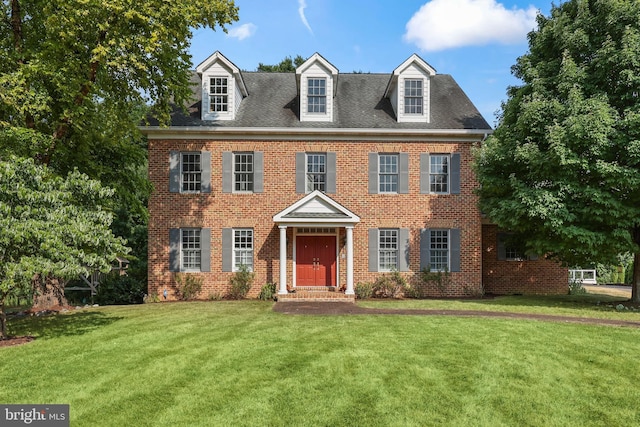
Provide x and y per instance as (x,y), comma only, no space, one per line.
(439,250)
(316,172)
(191,172)
(218,94)
(243,172)
(413,100)
(190,249)
(439,173)
(388,250)
(242,248)
(388,173)
(316,95)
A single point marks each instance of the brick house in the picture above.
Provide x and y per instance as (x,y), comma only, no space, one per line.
(320,180)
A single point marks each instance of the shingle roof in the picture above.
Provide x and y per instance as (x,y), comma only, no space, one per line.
(359,104)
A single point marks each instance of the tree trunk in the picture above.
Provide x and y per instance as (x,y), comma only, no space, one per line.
(3,321)
(635,286)
(48,292)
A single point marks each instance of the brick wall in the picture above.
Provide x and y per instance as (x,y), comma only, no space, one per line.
(217,210)
(541,276)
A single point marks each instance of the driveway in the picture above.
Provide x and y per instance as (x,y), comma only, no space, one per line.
(613,290)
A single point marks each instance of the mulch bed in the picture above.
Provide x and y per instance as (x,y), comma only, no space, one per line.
(346,308)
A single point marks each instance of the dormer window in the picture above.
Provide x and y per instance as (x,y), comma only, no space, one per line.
(218,94)
(317,95)
(413,100)
(223,88)
(409,91)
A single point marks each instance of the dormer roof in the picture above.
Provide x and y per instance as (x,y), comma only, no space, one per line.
(219,58)
(318,59)
(412,60)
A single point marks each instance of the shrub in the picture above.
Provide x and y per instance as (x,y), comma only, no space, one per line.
(424,284)
(364,290)
(116,289)
(188,286)
(241,283)
(576,288)
(389,285)
(267,292)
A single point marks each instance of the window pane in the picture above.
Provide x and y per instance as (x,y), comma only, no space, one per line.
(388,250)
(388,173)
(439,174)
(218,99)
(191,172)
(413,100)
(439,250)
(316,96)
(243,171)
(242,248)
(191,249)
(316,172)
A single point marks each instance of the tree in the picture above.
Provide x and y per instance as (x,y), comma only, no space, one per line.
(65,63)
(562,169)
(50,226)
(287,65)
(78,76)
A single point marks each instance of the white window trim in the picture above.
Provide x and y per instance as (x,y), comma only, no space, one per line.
(198,250)
(207,114)
(397,174)
(234,250)
(181,171)
(397,250)
(421,97)
(448,156)
(307,183)
(233,173)
(448,266)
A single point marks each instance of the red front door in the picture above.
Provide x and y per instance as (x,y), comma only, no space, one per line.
(315,261)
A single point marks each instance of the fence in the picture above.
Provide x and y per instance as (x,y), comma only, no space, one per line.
(586,277)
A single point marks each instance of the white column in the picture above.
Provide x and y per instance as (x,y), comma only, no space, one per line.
(349,290)
(283,259)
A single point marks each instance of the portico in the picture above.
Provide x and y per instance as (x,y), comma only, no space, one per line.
(316,220)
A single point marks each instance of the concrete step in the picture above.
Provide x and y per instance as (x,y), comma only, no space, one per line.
(303,295)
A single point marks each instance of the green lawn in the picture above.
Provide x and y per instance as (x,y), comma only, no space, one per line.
(239,363)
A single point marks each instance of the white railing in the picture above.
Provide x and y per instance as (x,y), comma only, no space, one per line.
(586,277)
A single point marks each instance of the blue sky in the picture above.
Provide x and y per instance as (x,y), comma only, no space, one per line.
(476,41)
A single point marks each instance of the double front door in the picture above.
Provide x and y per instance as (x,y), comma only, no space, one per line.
(316,260)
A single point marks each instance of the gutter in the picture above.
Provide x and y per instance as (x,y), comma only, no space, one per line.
(218,132)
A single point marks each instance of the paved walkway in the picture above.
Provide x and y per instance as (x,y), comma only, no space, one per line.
(346,308)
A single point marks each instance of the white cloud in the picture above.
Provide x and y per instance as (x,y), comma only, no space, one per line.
(445,24)
(302,5)
(243,31)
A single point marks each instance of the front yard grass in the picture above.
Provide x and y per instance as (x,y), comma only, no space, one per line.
(239,363)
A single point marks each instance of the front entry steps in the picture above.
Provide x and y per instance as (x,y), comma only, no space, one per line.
(316,294)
